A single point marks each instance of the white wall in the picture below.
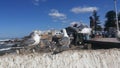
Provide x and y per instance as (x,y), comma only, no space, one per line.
(67,59)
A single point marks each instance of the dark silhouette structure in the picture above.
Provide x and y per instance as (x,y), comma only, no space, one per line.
(94,21)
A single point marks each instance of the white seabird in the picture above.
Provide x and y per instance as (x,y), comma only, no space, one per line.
(30,41)
(33,39)
(65,40)
(61,42)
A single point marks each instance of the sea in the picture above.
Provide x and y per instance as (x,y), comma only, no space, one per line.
(5,46)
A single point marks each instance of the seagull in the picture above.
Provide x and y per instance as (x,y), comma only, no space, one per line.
(61,42)
(65,40)
(33,40)
(29,42)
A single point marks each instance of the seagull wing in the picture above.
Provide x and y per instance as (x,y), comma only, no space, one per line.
(65,41)
(29,42)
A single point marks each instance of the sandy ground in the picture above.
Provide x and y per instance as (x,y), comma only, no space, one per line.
(109,58)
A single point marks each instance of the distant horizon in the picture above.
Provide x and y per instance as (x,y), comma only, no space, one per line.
(19,17)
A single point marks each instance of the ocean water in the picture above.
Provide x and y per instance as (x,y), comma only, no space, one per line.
(5,46)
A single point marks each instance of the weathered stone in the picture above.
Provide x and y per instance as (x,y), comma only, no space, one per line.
(67,59)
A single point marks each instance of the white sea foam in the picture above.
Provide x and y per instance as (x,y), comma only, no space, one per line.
(3,49)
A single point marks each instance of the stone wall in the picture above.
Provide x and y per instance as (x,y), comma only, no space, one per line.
(67,59)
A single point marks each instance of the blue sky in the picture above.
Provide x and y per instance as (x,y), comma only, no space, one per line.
(19,17)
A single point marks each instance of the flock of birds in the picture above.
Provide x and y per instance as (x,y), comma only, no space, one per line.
(34,39)
(62,42)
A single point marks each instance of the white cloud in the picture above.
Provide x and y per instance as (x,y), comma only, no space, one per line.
(37,2)
(83,9)
(57,15)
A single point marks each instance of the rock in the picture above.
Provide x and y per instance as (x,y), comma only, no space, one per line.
(67,59)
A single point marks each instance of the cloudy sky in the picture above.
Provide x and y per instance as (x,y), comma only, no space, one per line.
(19,17)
